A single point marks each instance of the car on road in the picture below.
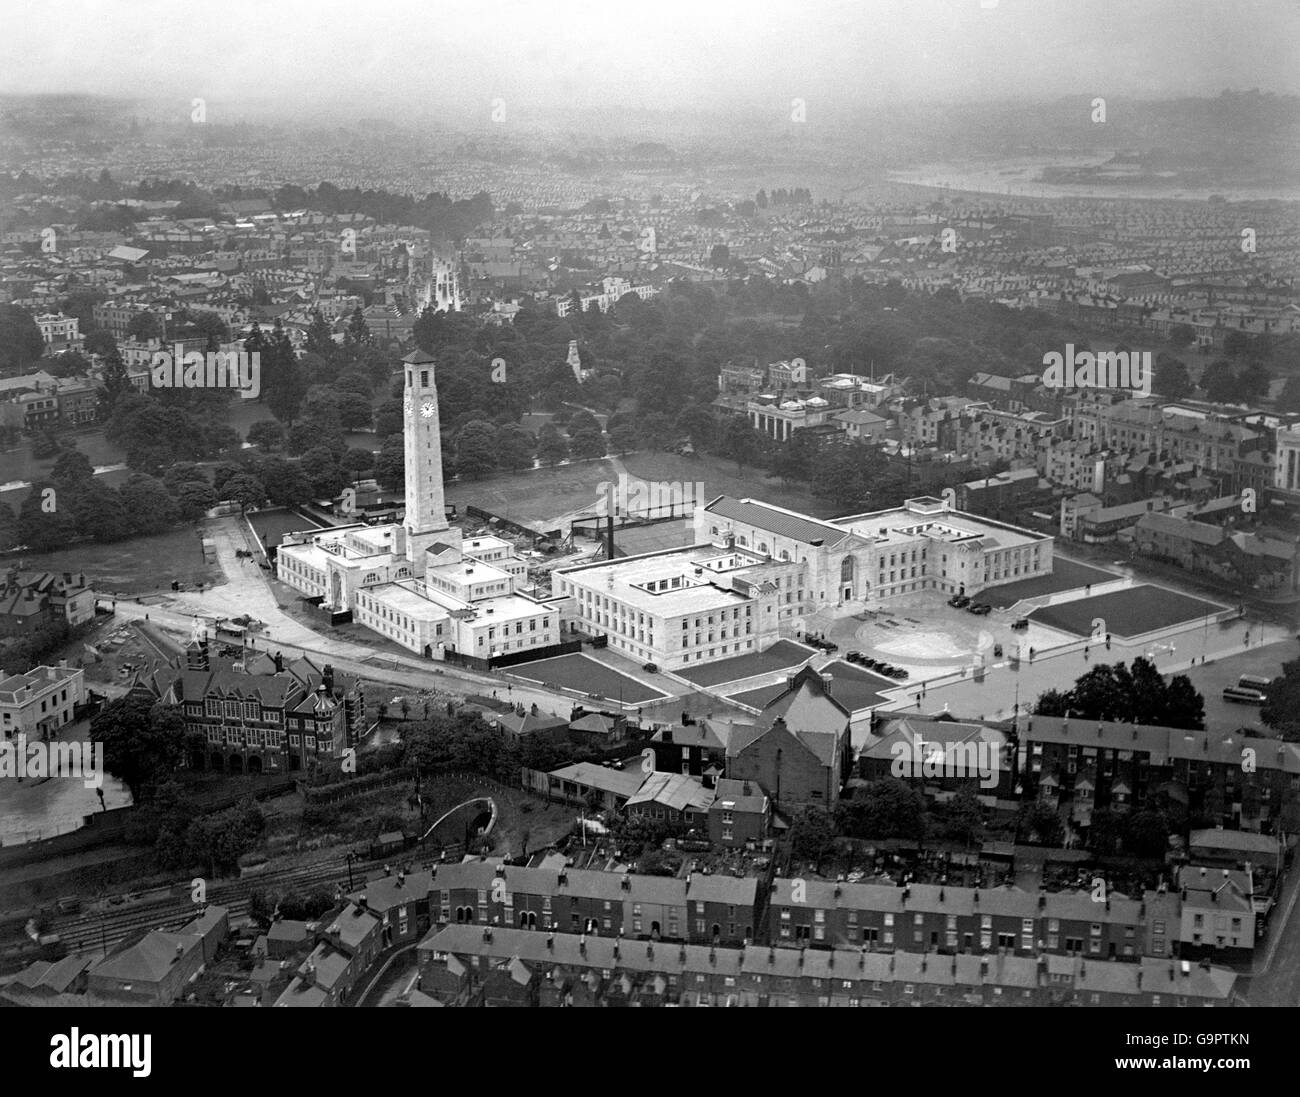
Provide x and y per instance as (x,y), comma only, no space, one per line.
(651,668)
(1020,623)
(1243,696)
(855,657)
(980,609)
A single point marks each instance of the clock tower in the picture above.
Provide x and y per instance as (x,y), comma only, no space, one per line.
(426,517)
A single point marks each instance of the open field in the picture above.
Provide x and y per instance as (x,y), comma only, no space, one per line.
(1066,575)
(141,565)
(1129,612)
(584,673)
(782,654)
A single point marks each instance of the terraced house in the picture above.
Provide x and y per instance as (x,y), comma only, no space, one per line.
(934,917)
(1088,765)
(470,965)
(699,908)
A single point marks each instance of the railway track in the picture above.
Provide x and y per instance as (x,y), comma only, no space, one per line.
(95,931)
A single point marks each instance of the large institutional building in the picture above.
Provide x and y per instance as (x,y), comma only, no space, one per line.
(421,583)
(756,568)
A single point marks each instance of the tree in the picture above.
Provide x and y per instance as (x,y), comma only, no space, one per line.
(266,433)
(811,836)
(194,498)
(284,398)
(740,442)
(390,465)
(44,524)
(72,467)
(1182,335)
(884,808)
(148,503)
(586,444)
(1281,709)
(117,382)
(515,448)
(246,490)
(1038,822)
(1136,693)
(320,340)
(476,448)
(624,438)
(389,418)
(963,818)
(143,741)
(1220,382)
(1172,379)
(551,446)
(1146,833)
(21,343)
(145,327)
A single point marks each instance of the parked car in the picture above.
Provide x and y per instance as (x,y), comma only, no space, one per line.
(959,601)
(980,609)
(1020,623)
(855,657)
(1243,696)
(651,668)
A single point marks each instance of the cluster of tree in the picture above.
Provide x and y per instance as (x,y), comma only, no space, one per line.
(439,214)
(144,742)
(1223,382)
(267,904)
(795,196)
(210,843)
(157,429)
(20,654)
(20,340)
(1138,694)
(73,504)
(463,741)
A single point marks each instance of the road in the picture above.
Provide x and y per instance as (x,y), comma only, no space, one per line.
(1276,981)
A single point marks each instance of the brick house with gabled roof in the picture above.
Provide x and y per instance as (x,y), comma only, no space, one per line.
(799,750)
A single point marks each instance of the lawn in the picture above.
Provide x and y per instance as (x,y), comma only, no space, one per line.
(1131,612)
(141,565)
(1066,575)
(780,656)
(583,673)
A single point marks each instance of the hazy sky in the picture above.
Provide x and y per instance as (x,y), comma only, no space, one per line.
(836,54)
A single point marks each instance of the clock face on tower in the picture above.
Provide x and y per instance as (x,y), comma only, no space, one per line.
(428,408)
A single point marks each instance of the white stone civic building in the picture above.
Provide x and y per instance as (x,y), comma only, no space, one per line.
(756,571)
(420,583)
